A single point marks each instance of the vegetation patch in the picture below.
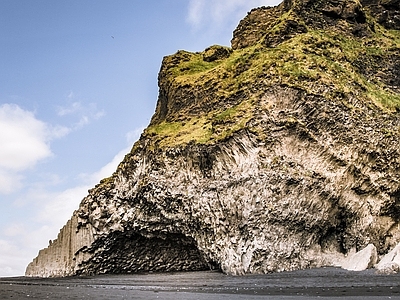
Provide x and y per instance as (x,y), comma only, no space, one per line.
(196,65)
(231,120)
(206,129)
(175,133)
(329,63)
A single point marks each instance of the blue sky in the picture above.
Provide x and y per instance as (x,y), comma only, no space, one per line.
(78,85)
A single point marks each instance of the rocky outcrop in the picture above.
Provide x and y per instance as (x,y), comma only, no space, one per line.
(278,154)
(386,12)
(291,17)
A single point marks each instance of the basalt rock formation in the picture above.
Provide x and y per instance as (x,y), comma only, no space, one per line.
(279,153)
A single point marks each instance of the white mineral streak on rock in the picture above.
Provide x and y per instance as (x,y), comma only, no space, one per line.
(361,260)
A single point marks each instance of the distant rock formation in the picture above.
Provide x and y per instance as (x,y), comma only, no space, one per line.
(279,153)
(58,259)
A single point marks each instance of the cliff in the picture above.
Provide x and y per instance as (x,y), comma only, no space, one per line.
(279,153)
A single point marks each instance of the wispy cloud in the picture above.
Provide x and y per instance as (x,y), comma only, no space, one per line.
(11,258)
(14,229)
(109,168)
(59,131)
(82,114)
(67,110)
(9,181)
(134,135)
(195,12)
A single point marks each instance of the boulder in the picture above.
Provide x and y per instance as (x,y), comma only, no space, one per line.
(390,263)
(216,52)
(361,260)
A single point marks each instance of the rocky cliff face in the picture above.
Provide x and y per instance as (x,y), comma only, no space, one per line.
(279,153)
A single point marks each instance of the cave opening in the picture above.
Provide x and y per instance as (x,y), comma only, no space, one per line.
(127,253)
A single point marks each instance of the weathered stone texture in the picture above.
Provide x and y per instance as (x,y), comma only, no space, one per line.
(293,200)
(311,174)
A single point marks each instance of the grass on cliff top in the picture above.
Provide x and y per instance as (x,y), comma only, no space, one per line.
(307,61)
(195,65)
(333,59)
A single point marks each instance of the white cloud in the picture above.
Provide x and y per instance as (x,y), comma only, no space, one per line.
(49,211)
(9,181)
(24,142)
(133,136)
(14,229)
(57,208)
(59,131)
(106,171)
(54,209)
(23,138)
(216,14)
(19,245)
(110,168)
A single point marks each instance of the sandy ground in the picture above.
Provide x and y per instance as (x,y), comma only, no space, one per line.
(324,283)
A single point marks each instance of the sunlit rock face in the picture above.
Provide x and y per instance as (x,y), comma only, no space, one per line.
(279,153)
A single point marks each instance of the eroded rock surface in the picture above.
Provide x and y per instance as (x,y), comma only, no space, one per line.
(281,153)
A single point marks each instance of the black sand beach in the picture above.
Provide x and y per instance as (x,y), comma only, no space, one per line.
(324,283)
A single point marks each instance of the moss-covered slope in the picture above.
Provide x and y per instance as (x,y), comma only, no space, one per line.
(337,50)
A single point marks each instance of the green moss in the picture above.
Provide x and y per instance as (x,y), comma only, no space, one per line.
(165,128)
(315,57)
(107,182)
(175,133)
(384,99)
(231,120)
(227,114)
(195,65)
(205,129)
(331,60)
